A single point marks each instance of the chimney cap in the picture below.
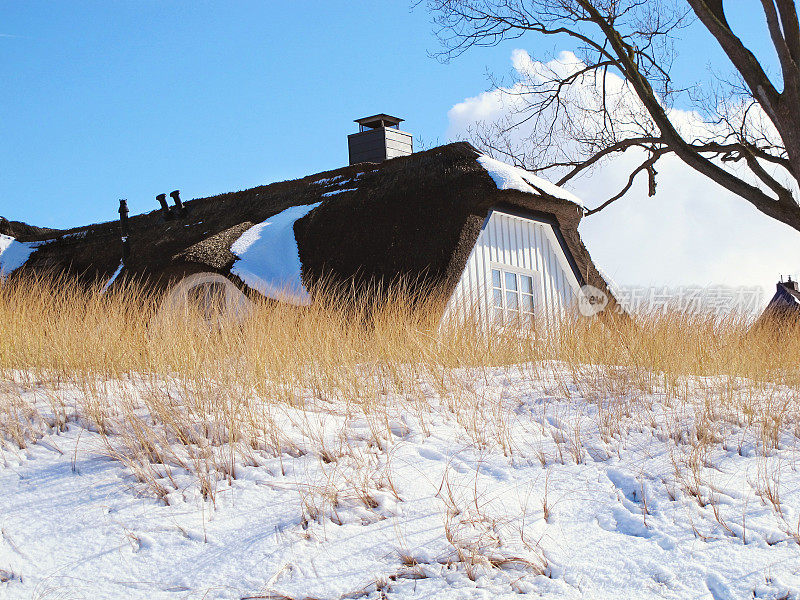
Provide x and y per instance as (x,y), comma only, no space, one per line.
(379,120)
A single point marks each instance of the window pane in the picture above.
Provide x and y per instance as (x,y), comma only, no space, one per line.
(512,301)
(526,284)
(511,281)
(498,298)
(495,278)
(527,303)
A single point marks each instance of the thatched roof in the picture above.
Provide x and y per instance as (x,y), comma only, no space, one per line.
(785,303)
(416,216)
(25,232)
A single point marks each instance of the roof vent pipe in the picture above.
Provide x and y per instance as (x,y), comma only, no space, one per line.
(176,197)
(123,229)
(162,200)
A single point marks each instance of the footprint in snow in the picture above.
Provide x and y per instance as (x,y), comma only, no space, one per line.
(496,473)
(719,590)
(456,464)
(629,524)
(431,454)
(634,490)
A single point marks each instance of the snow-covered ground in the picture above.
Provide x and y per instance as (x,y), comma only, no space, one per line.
(529,485)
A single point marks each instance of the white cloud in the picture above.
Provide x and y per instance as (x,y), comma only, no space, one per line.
(691,232)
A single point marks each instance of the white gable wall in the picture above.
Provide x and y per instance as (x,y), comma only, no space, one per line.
(520,245)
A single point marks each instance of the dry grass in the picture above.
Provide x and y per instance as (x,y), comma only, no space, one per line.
(64,329)
(363,353)
(172,395)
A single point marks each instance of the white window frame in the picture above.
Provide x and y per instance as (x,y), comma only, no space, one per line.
(536,283)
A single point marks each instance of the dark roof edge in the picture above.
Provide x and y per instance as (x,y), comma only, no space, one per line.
(566,233)
(28,233)
(543,217)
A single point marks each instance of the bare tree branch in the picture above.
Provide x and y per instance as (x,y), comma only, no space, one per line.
(649,167)
(625,50)
(621,146)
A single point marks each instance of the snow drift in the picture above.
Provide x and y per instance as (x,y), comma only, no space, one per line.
(14,254)
(268,257)
(508,177)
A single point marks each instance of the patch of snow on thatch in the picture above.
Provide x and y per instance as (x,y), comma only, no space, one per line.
(268,257)
(339,180)
(75,234)
(328,180)
(334,192)
(113,278)
(13,254)
(509,177)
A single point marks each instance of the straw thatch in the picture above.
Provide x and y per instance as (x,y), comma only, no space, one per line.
(19,230)
(414,217)
(785,304)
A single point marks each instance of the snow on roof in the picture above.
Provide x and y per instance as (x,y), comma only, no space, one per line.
(13,254)
(113,278)
(268,257)
(328,180)
(334,192)
(509,177)
(339,179)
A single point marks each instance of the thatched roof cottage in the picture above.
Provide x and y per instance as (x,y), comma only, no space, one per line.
(484,234)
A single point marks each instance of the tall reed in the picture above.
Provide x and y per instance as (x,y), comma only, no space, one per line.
(170,391)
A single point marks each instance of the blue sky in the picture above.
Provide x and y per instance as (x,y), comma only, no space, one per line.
(103,100)
(111,99)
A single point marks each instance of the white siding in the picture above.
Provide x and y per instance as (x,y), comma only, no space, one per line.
(522,245)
